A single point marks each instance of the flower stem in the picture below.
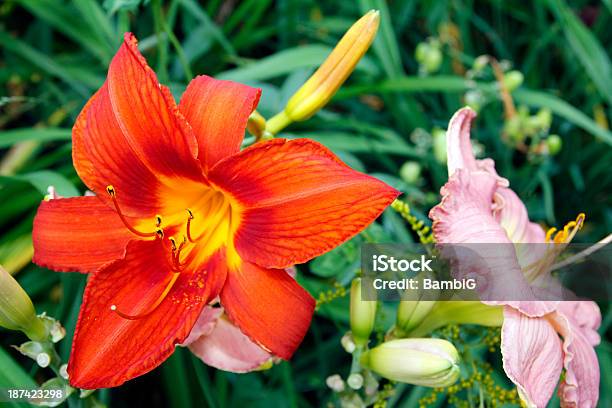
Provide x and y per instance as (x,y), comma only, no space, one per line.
(278,122)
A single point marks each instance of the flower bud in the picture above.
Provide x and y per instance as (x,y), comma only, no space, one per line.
(426,362)
(410,172)
(512,80)
(16,309)
(429,56)
(326,80)
(363,314)
(410,313)
(554,144)
(439,145)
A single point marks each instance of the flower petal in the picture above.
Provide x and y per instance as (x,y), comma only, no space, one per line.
(585,315)
(580,387)
(218,112)
(80,156)
(149,116)
(297,200)
(458,145)
(224,347)
(464,215)
(107,349)
(77,234)
(269,306)
(130,135)
(532,356)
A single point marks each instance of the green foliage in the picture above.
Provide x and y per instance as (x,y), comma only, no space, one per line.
(54,55)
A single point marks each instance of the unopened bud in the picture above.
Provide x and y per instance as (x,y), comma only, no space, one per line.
(426,362)
(439,145)
(410,172)
(554,144)
(512,80)
(16,309)
(362,313)
(410,313)
(429,56)
(326,80)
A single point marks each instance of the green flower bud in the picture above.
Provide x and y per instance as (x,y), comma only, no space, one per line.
(410,172)
(410,313)
(474,99)
(512,80)
(362,313)
(439,145)
(480,63)
(16,309)
(554,144)
(426,362)
(429,56)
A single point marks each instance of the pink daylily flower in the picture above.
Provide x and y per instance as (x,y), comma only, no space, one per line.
(221,344)
(479,207)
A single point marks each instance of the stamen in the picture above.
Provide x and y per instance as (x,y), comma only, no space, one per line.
(189,225)
(550,233)
(113,195)
(158,220)
(155,305)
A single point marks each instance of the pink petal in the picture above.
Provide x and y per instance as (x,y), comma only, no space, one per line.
(458,145)
(586,316)
(580,387)
(226,347)
(204,325)
(464,215)
(532,356)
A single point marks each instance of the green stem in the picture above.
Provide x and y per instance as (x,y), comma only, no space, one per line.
(278,122)
(179,52)
(161,43)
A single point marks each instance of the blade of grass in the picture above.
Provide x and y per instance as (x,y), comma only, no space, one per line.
(12,136)
(42,61)
(587,48)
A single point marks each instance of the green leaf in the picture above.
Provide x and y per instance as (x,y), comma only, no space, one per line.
(287,61)
(42,61)
(9,137)
(13,376)
(587,48)
(41,180)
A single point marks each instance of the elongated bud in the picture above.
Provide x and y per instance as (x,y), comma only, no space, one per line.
(16,309)
(426,362)
(363,314)
(410,313)
(323,84)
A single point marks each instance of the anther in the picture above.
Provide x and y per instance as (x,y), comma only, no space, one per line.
(113,195)
(153,307)
(159,233)
(173,243)
(158,220)
(550,233)
(189,218)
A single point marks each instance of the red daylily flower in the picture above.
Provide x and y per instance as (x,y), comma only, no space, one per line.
(181,217)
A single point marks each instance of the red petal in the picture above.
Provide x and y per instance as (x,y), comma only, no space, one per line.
(80,157)
(269,306)
(298,200)
(77,234)
(133,135)
(108,350)
(218,112)
(148,114)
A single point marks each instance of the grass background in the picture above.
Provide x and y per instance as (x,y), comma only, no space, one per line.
(54,55)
